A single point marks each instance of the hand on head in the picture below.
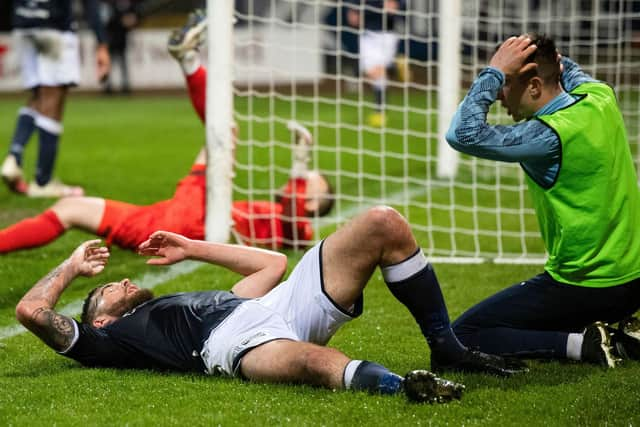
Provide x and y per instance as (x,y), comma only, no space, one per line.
(511,56)
(89,258)
(169,247)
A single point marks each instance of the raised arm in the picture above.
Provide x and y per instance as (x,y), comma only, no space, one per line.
(36,309)
(262,269)
(572,75)
(470,133)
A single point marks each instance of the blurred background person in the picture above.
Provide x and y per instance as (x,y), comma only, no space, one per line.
(120,17)
(48,46)
(378,46)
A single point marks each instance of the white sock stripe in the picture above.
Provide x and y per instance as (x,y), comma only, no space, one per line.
(349,371)
(407,268)
(190,62)
(48,124)
(574,346)
(26,111)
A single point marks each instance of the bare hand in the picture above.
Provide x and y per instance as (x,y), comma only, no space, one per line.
(103,62)
(89,258)
(511,56)
(169,247)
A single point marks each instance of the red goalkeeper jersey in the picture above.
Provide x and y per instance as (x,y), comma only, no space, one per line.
(257,223)
(266,223)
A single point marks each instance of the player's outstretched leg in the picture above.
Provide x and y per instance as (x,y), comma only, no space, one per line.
(420,386)
(183,45)
(302,362)
(31,232)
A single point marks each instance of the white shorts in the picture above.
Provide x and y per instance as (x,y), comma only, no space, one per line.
(297,309)
(377,49)
(48,57)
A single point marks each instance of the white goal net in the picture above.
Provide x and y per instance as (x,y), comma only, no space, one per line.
(300,60)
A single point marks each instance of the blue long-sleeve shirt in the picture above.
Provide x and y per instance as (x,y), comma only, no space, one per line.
(531,143)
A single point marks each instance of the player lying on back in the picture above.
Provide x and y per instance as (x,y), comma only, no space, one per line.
(260,331)
(574,150)
(260,222)
(284,222)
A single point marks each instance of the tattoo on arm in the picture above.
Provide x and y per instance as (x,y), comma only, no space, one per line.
(46,290)
(54,329)
(37,312)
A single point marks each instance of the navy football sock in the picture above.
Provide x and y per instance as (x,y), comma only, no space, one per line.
(373,378)
(49,132)
(414,283)
(378,94)
(25,124)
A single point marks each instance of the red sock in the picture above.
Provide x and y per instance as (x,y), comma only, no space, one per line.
(197,85)
(31,232)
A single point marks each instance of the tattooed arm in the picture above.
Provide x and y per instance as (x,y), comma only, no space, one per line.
(35,310)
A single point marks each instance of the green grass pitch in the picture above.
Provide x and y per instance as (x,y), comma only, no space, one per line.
(136,149)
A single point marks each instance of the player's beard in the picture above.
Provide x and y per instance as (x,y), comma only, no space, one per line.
(127,304)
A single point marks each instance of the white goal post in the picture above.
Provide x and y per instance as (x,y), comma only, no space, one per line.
(299,60)
(219,116)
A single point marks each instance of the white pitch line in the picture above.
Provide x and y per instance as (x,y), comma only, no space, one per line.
(149,281)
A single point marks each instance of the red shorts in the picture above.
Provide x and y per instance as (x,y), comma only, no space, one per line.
(128,225)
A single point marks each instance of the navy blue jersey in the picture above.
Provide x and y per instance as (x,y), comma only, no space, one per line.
(166,333)
(55,14)
(371,12)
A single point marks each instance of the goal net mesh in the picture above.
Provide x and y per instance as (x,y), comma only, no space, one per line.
(299,60)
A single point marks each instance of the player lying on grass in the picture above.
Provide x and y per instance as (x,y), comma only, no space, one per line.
(284,223)
(256,222)
(260,331)
(272,224)
(574,149)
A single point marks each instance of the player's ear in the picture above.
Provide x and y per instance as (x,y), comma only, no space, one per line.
(311,206)
(98,322)
(535,87)
(102,320)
